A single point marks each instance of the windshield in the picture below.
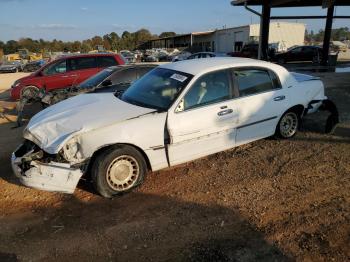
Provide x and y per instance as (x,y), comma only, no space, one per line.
(158,89)
(97,79)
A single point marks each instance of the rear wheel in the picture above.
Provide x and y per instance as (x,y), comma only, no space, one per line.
(118,170)
(288,125)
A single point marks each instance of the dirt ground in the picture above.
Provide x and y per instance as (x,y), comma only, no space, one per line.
(267,201)
(6,80)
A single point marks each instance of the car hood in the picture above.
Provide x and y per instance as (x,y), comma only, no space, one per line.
(28,77)
(52,127)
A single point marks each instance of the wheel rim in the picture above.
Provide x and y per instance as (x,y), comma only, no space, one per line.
(30,92)
(122,173)
(289,124)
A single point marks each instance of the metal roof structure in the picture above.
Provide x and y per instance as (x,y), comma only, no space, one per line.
(294,3)
(266,17)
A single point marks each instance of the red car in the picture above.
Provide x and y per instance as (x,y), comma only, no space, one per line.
(65,71)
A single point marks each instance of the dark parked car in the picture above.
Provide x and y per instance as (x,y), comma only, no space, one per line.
(248,50)
(115,78)
(34,65)
(11,67)
(205,55)
(300,53)
(252,51)
(65,71)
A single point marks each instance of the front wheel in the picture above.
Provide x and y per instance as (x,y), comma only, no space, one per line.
(288,125)
(118,170)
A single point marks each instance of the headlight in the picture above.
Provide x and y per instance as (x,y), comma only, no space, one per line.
(71,151)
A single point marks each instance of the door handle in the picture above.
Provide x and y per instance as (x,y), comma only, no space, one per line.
(279,98)
(73,75)
(64,76)
(225,112)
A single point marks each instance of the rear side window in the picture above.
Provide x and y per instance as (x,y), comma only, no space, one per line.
(254,81)
(143,70)
(106,61)
(82,63)
(125,76)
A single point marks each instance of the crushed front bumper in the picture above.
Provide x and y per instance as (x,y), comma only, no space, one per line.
(52,176)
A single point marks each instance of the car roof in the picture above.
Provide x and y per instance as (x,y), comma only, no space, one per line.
(199,66)
(85,55)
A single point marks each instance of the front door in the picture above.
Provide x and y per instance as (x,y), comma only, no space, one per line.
(260,104)
(204,121)
(57,76)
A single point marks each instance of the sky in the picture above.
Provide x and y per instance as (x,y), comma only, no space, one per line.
(81,19)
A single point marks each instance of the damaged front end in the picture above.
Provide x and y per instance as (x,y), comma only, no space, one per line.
(37,169)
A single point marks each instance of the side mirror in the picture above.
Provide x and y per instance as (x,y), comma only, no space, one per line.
(107,82)
(180,107)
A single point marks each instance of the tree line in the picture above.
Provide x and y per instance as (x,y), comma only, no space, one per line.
(339,34)
(126,40)
(111,41)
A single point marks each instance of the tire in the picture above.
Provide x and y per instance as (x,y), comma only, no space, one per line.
(30,92)
(118,170)
(288,125)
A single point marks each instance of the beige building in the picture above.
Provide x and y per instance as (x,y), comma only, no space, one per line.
(283,35)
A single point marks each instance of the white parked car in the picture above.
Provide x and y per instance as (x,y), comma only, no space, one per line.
(176,113)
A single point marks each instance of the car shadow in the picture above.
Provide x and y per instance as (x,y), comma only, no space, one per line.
(135,227)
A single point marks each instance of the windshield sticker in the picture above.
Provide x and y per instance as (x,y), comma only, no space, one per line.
(178,77)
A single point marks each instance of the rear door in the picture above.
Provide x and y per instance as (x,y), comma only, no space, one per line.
(309,53)
(295,54)
(83,67)
(261,102)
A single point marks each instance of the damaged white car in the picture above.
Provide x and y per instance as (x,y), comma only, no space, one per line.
(174,114)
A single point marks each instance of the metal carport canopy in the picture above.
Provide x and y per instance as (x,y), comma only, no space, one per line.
(266,16)
(293,3)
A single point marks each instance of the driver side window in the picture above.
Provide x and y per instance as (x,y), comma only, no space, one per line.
(58,68)
(296,50)
(210,88)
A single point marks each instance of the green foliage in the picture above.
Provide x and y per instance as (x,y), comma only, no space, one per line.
(338,34)
(167,34)
(110,41)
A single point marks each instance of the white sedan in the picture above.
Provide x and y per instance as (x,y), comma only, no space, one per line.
(176,113)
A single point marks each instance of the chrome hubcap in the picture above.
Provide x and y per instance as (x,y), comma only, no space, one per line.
(289,125)
(122,173)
